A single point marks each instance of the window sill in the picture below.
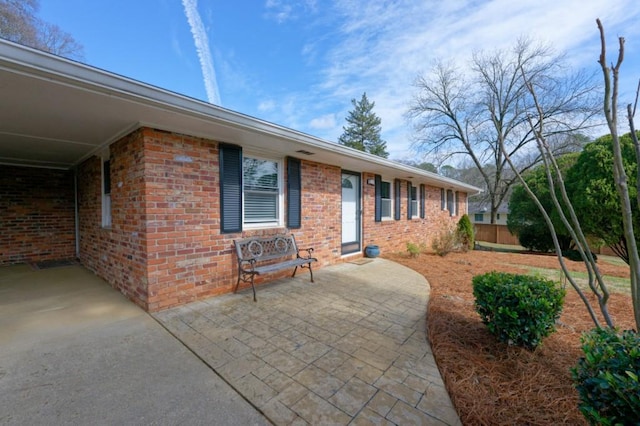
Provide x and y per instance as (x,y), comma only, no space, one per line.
(254,226)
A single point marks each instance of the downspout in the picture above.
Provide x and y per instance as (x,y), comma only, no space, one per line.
(77,219)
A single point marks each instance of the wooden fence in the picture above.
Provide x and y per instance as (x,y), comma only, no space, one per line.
(499,234)
(492,233)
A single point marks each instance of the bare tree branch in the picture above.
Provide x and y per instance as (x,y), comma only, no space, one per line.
(484,114)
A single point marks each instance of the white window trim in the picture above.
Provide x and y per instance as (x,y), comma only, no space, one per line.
(280,220)
(391,199)
(105,198)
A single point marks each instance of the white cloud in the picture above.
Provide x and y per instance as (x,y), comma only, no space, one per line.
(282,11)
(327,121)
(201,41)
(382,46)
(266,106)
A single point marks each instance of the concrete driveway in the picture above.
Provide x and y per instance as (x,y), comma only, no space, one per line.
(349,349)
(75,351)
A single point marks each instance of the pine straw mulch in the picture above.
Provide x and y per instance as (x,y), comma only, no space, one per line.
(489,382)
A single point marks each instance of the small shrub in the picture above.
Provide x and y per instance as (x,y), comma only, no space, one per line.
(446,242)
(575,255)
(415,249)
(607,377)
(465,232)
(518,309)
(535,240)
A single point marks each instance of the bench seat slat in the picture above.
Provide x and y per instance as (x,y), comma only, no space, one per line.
(265,269)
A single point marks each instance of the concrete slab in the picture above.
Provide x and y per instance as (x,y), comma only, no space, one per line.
(75,351)
(349,349)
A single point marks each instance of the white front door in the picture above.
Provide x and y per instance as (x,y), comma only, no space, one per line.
(350,212)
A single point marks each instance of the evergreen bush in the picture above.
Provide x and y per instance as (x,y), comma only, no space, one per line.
(466,235)
(607,377)
(518,309)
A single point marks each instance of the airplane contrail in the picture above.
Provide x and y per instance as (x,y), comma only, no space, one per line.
(202,47)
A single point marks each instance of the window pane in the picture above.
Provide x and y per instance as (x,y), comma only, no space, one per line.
(260,207)
(414,208)
(385,190)
(106,210)
(479,217)
(450,204)
(261,191)
(107,176)
(386,207)
(260,175)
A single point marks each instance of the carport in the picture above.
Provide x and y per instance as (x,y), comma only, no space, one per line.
(75,351)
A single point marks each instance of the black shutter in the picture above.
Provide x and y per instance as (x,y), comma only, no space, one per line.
(423,194)
(409,205)
(378,201)
(107,176)
(455,207)
(397,201)
(443,202)
(230,188)
(294,193)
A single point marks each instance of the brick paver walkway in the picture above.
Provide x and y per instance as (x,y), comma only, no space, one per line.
(349,349)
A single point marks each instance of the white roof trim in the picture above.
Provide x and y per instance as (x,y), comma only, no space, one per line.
(48,68)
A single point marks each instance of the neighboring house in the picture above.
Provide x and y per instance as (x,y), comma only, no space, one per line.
(148,188)
(480,212)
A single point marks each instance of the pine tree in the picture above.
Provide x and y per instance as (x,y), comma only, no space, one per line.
(363,129)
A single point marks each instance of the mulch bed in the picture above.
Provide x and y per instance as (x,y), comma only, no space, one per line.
(489,382)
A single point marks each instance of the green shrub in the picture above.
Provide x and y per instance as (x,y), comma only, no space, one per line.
(518,309)
(575,255)
(446,241)
(466,235)
(415,249)
(607,377)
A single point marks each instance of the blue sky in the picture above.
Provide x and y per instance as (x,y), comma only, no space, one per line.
(299,63)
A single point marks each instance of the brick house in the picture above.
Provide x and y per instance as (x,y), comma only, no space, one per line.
(148,188)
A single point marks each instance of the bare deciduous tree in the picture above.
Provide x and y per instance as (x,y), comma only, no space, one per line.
(485,116)
(611,88)
(18,23)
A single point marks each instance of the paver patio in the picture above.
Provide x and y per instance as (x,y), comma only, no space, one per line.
(349,349)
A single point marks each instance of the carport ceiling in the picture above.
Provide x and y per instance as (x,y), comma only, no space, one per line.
(56,113)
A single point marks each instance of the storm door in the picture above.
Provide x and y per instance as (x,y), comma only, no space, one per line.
(350,212)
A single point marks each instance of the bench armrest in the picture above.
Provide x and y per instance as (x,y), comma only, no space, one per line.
(308,255)
(251,264)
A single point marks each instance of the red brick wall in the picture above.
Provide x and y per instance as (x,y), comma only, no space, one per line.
(165,247)
(37,215)
(393,235)
(118,253)
(188,257)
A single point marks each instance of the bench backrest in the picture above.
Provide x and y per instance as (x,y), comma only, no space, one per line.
(266,248)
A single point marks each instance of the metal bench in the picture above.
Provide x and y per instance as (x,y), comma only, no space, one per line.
(262,255)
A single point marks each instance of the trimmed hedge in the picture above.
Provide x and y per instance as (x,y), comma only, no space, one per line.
(518,309)
(607,377)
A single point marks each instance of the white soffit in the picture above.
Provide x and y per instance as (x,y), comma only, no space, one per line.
(56,113)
